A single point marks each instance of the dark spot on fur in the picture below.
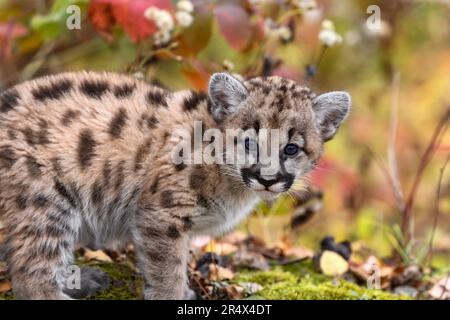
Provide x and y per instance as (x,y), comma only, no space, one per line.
(7,157)
(86,148)
(151,122)
(29,136)
(55,231)
(34,168)
(180,166)
(193,100)
(172,232)
(56,165)
(52,91)
(156,98)
(120,175)
(197,178)
(21,202)
(202,202)
(167,199)
(64,192)
(107,170)
(69,116)
(154,186)
(94,89)
(187,223)
(141,153)
(156,255)
(117,123)
(37,137)
(12,134)
(40,201)
(96,193)
(8,100)
(123,91)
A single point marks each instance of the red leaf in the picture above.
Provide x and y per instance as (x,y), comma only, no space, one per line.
(8,32)
(127,13)
(197,75)
(235,25)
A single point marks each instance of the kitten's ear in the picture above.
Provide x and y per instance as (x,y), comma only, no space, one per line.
(226,93)
(331,109)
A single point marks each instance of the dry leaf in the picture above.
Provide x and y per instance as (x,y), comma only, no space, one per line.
(97,255)
(250,259)
(234,292)
(217,273)
(332,263)
(235,237)
(5,286)
(299,252)
(441,290)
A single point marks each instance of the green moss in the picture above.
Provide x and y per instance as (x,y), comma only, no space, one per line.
(300,282)
(294,282)
(125,284)
(6,296)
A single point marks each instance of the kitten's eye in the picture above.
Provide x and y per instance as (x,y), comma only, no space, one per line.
(250,144)
(291,149)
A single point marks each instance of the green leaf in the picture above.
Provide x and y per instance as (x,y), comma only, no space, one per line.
(52,25)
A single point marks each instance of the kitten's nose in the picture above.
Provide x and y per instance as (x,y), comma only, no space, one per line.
(266,183)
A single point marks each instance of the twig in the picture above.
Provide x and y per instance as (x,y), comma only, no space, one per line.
(285,263)
(392,158)
(425,160)
(437,210)
(383,168)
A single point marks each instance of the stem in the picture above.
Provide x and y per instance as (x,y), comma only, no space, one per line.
(392,158)
(425,160)
(437,211)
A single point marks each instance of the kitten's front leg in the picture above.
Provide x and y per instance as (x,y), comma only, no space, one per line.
(163,249)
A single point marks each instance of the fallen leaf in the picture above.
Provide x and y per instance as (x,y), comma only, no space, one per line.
(441,290)
(332,263)
(233,292)
(250,259)
(407,275)
(235,237)
(5,286)
(218,273)
(299,252)
(97,255)
(221,248)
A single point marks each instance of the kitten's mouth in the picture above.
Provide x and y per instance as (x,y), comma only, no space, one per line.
(273,188)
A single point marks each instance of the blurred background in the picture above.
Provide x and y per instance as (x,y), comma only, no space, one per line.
(381,183)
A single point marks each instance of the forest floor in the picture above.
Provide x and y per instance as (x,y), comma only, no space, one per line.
(238,267)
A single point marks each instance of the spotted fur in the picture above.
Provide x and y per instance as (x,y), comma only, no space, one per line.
(85,161)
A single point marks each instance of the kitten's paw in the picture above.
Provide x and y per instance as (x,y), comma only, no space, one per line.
(92,281)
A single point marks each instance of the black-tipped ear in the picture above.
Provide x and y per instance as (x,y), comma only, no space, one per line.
(331,109)
(226,93)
